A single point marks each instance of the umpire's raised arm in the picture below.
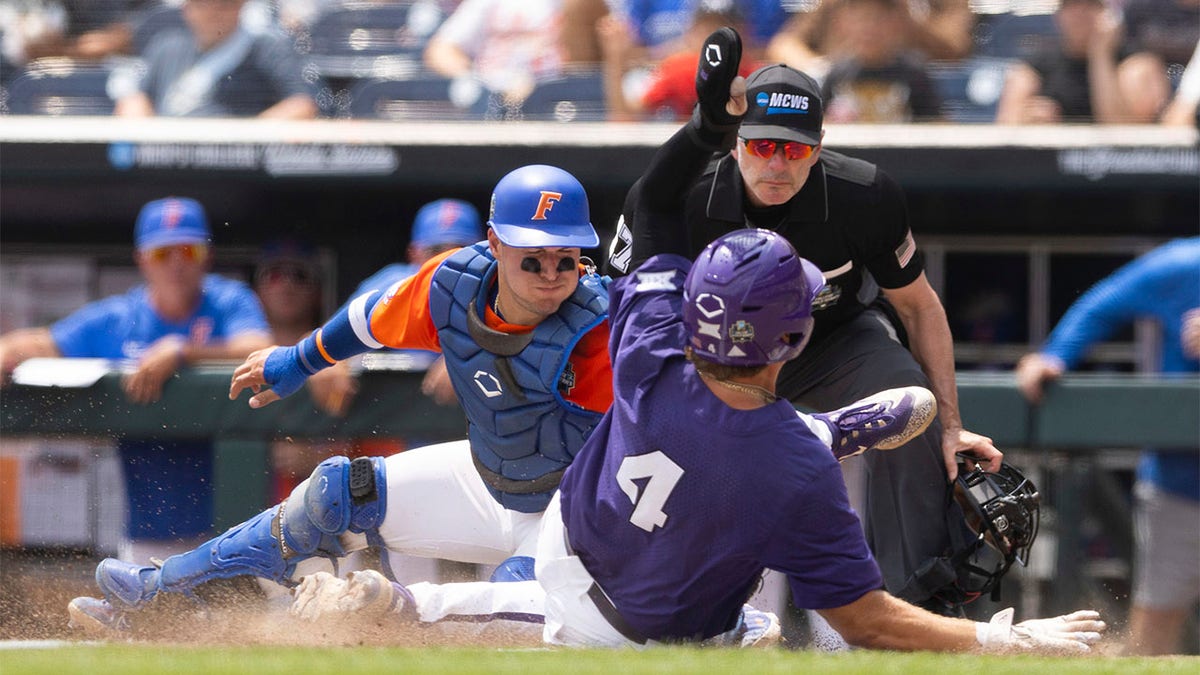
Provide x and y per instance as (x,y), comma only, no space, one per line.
(652,220)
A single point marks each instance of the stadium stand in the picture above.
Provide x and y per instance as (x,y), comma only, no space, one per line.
(969,89)
(1013,36)
(424,96)
(151,21)
(365,40)
(61,86)
(575,97)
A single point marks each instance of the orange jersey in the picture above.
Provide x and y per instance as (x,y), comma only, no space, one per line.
(402,320)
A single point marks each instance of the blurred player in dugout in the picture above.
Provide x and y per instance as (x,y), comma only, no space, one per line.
(180,315)
(287,280)
(1162,285)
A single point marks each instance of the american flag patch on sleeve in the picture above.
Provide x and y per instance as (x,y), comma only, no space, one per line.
(906,249)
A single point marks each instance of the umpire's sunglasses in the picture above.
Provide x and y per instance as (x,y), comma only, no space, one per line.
(189,252)
(765,148)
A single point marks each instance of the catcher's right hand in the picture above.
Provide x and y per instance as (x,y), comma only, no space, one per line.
(275,367)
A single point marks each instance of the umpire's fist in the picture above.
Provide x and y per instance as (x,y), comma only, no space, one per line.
(720,58)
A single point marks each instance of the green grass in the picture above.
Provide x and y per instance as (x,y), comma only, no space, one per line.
(138,659)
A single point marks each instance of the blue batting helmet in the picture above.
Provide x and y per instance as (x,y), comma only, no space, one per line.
(748,300)
(540,205)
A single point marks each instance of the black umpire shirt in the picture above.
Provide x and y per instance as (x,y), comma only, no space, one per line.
(850,219)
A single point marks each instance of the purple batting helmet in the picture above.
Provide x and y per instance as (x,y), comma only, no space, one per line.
(748,300)
(540,205)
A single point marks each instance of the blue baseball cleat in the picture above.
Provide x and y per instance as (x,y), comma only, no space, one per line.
(884,421)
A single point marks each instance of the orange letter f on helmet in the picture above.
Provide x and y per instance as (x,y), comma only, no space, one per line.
(546,203)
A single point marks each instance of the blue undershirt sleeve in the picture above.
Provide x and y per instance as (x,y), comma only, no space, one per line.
(346,334)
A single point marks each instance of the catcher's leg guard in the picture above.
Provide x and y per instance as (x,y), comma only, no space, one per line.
(340,496)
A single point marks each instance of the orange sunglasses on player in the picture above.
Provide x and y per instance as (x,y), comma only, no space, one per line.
(765,148)
(189,252)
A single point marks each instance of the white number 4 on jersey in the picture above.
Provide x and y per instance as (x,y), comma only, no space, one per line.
(662,473)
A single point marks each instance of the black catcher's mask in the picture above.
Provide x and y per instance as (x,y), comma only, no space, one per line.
(1001,512)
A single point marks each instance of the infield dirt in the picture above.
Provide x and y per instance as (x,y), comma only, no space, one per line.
(36,586)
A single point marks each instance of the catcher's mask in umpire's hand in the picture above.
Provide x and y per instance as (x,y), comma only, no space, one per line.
(1001,511)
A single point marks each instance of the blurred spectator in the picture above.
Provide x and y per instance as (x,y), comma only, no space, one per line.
(439,226)
(181,315)
(938,29)
(1083,78)
(874,77)
(1165,29)
(941,29)
(660,26)
(294,15)
(581,36)
(421,17)
(507,45)
(82,29)
(1182,110)
(218,66)
(805,41)
(1162,285)
(669,91)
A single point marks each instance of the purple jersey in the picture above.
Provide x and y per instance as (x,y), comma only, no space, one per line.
(678,502)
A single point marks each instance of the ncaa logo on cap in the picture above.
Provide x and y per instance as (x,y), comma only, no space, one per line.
(785,105)
(778,102)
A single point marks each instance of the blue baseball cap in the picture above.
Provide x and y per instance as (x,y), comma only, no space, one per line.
(171,221)
(447,221)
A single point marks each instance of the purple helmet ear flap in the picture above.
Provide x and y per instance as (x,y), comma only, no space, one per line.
(813,279)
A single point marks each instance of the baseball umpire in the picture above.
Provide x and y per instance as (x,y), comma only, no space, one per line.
(879,324)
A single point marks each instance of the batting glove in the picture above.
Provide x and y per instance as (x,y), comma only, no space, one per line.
(1069,633)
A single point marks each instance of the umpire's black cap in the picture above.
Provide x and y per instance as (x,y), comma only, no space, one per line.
(785,104)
